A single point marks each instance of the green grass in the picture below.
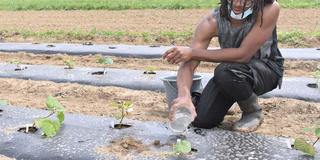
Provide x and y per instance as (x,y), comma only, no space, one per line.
(89,35)
(294,37)
(131,4)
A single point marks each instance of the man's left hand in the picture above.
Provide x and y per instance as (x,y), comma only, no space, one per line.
(176,55)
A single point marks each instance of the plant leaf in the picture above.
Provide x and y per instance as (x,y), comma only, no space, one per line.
(118,117)
(108,61)
(302,145)
(127,104)
(38,122)
(56,125)
(100,60)
(72,64)
(317,131)
(43,135)
(60,116)
(115,105)
(16,61)
(60,109)
(308,128)
(3,102)
(48,127)
(182,147)
(52,102)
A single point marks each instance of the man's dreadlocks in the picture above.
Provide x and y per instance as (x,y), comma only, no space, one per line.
(257,7)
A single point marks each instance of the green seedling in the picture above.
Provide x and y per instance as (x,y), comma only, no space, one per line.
(149,70)
(302,145)
(51,128)
(125,107)
(69,63)
(16,61)
(105,61)
(182,147)
(3,102)
(317,76)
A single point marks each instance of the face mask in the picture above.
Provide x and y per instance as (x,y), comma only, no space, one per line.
(239,16)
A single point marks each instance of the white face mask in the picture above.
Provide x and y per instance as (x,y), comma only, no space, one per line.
(239,16)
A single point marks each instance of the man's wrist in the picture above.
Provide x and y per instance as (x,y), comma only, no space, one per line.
(196,54)
(184,93)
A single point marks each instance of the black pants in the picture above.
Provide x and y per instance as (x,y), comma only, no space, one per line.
(232,82)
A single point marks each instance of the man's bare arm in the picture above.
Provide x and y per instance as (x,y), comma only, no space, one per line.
(206,29)
(250,45)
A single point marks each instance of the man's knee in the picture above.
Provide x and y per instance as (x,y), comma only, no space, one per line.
(222,72)
(205,124)
(230,73)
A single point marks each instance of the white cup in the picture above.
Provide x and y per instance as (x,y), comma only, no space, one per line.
(183,116)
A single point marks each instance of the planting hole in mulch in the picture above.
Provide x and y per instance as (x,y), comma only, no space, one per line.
(21,68)
(158,144)
(30,129)
(174,138)
(1,112)
(67,67)
(121,126)
(62,94)
(312,85)
(97,73)
(194,150)
(87,43)
(152,46)
(199,131)
(112,47)
(149,72)
(50,45)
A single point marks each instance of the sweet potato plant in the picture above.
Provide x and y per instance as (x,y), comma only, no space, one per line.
(50,127)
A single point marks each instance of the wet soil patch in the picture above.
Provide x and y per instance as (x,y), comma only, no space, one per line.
(30,130)
(122,147)
(158,144)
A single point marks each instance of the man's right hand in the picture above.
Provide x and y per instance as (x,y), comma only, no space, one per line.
(178,102)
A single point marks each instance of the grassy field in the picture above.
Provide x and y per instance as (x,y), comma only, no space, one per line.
(130,4)
(292,38)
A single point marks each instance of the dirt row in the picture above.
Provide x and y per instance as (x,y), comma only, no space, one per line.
(282,116)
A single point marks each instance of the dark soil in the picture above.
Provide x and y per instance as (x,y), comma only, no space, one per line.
(30,130)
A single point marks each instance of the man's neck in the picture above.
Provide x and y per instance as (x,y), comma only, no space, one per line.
(236,23)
